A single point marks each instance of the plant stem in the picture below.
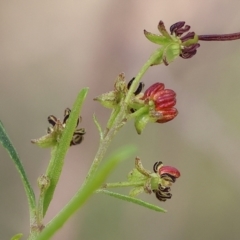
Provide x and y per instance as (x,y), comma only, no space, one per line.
(84,193)
(112,119)
(123,184)
(140,111)
(104,144)
(219,37)
(118,118)
(142,71)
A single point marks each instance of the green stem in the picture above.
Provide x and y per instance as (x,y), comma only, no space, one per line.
(40,209)
(111,120)
(124,184)
(43,184)
(142,71)
(104,144)
(139,112)
(84,193)
(118,118)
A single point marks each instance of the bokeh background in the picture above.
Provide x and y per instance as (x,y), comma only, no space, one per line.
(51,49)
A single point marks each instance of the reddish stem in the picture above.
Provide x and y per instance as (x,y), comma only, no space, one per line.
(219,37)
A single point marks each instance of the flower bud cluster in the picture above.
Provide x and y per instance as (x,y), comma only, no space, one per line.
(113,98)
(54,132)
(158,182)
(189,48)
(173,43)
(156,104)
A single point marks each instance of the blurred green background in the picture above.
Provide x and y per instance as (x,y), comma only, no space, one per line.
(52,49)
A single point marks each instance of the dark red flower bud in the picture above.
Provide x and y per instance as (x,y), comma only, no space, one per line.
(167,114)
(164,100)
(188,36)
(176,26)
(190,51)
(189,45)
(179,28)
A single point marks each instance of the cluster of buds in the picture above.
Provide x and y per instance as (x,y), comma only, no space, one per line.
(181,42)
(189,45)
(173,43)
(114,98)
(158,182)
(156,104)
(54,132)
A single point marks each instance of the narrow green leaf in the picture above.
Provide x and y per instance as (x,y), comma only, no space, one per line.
(84,193)
(133,200)
(17,236)
(6,143)
(59,152)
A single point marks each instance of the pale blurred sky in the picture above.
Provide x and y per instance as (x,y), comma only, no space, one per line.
(51,49)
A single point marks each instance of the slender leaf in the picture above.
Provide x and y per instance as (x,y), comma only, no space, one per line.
(98,126)
(59,152)
(84,193)
(6,143)
(133,200)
